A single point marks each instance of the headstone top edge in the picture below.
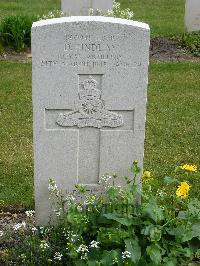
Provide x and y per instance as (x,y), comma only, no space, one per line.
(121,21)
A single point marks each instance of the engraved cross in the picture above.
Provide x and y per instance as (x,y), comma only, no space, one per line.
(92,120)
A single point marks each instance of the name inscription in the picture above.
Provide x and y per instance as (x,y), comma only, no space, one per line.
(89,51)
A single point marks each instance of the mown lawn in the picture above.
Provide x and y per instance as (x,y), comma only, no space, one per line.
(166,17)
(172,134)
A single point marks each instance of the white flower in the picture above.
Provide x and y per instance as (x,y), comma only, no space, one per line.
(126,255)
(58,256)
(161,193)
(1,233)
(23,257)
(19,225)
(41,229)
(44,245)
(53,187)
(58,212)
(30,213)
(104,179)
(79,208)
(115,260)
(70,197)
(34,229)
(23,224)
(82,249)
(90,200)
(94,244)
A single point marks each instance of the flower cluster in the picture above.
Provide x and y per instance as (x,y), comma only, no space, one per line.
(44,245)
(34,229)
(183,190)
(58,256)
(52,14)
(53,189)
(90,200)
(94,244)
(115,12)
(1,233)
(126,255)
(104,179)
(58,212)
(70,198)
(83,250)
(189,167)
(30,213)
(18,226)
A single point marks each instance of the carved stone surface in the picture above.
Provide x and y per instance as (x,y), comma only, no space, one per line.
(192,15)
(90,110)
(81,7)
(89,101)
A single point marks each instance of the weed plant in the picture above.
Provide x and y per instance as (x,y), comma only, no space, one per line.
(113,228)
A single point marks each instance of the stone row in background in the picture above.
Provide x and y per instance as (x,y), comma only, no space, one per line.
(82,7)
(192,15)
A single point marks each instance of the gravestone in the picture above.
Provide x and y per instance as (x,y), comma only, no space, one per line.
(192,15)
(82,7)
(89,101)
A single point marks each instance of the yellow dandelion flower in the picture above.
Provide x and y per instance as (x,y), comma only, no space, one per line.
(183,190)
(146,176)
(189,167)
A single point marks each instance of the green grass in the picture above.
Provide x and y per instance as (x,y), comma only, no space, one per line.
(172,134)
(27,7)
(16,167)
(166,17)
(172,128)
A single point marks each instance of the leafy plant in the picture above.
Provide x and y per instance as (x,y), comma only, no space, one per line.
(191,41)
(15,31)
(113,229)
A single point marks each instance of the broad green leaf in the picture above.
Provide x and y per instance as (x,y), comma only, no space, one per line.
(132,245)
(93,263)
(170,262)
(110,236)
(154,252)
(153,211)
(168,180)
(110,257)
(122,220)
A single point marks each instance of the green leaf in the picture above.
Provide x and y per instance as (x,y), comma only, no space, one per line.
(109,257)
(152,211)
(168,180)
(135,169)
(170,262)
(154,252)
(132,245)
(122,220)
(112,236)
(93,263)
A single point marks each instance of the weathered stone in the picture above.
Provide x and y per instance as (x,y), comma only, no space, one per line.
(89,101)
(192,15)
(81,7)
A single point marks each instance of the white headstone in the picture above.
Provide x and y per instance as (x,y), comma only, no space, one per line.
(89,101)
(192,15)
(81,7)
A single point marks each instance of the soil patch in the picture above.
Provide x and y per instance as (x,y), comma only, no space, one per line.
(169,50)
